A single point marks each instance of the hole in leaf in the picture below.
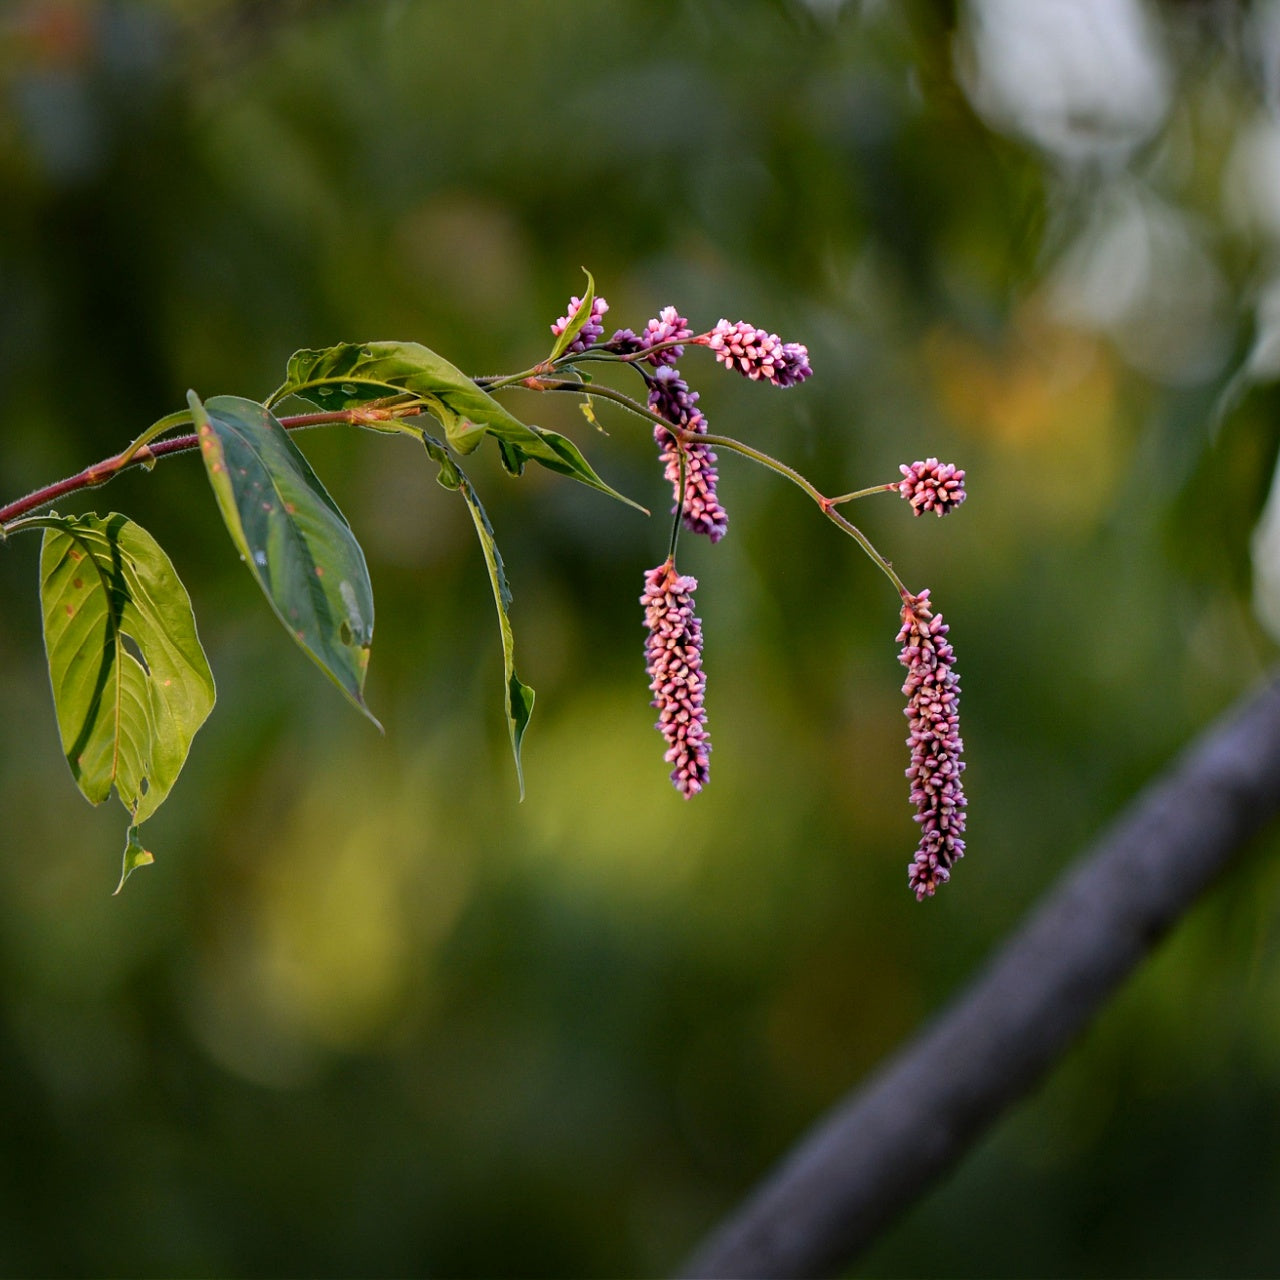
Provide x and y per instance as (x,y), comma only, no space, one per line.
(348,389)
(130,646)
(344,633)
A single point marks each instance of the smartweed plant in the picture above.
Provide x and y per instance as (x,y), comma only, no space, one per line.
(131,683)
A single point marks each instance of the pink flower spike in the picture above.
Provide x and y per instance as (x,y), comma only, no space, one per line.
(757,354)
(933,695)
(674,662)
(590,331)
(932,486)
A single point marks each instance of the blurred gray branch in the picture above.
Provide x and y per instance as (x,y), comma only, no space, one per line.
(881,1148)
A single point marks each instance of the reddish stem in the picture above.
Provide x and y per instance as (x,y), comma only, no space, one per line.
(103,471)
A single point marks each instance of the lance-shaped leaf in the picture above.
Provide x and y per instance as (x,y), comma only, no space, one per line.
(131,684)
(352,374)
(290,533)
(581,314)
(518,696)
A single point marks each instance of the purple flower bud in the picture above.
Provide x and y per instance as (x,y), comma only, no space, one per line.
(624,342)
(933,695)
(667,326)
(673,654)
(671,398)
(932,486)
(757,354)
(590,331)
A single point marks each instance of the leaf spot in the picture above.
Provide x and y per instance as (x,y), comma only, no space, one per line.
(77,583)
(319,571)
(71,613)
(266,506)
(290,508)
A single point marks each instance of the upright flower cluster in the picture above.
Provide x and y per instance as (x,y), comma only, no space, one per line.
(757,354)
(932,486)
(590,331)
(933,695)
(668,326)
(671,398)
(673,654)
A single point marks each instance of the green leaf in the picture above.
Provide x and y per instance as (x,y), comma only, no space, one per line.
(353,374)
(580,316)
(450,474)
(512,459)
(290,533)
(588,410)
(135,856)
(562,455)
(518,696)
(131,684)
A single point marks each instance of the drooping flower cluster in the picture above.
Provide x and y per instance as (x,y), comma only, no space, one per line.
(933,694)
(671,398)
(591,329)
(932,486)
(757,354)
(673,654)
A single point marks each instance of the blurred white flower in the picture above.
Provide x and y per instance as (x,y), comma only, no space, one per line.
(1084,79)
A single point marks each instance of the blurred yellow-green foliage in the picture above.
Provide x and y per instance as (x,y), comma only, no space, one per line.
(368,1014)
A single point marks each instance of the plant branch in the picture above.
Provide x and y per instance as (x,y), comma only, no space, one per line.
(879,1150)
(144,453)
(891,487)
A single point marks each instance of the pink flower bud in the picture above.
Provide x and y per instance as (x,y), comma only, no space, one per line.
(932,486)
(758,354)
(667,326)
(590,331)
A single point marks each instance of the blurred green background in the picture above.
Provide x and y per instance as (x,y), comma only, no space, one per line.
(368,1014)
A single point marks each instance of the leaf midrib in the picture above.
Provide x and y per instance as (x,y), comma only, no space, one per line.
(114,633)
